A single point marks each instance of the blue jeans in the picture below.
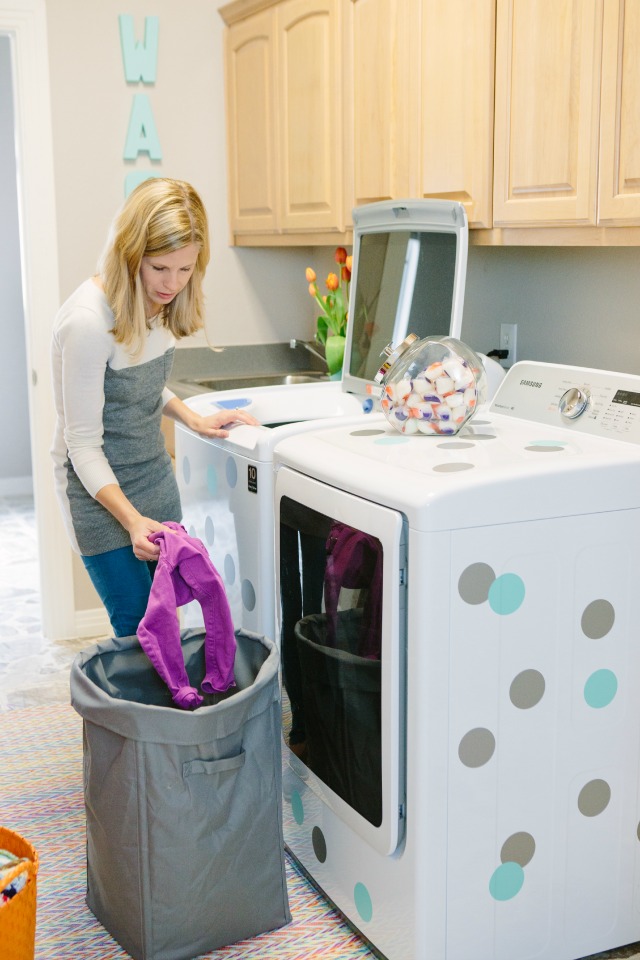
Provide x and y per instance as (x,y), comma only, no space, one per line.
(123,584)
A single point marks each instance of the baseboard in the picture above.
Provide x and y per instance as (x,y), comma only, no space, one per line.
(16,486)
(93,623)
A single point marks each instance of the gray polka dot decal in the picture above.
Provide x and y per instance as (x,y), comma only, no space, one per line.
(248,595)
(518,848)
(452,467)
(455,445)
(231,471)
(477,747)
(505,593)
(507,880)
(527,689)
(474,583)
(229,569)
(597,619)
(209,531)
(319,844)
(366,433)
(594,798)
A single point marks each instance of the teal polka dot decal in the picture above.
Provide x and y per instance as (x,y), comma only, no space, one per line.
(506,594)
(297,807)
(600,688)
(212,480)
(389,441)
(362,900)
(186,470)
(506,881)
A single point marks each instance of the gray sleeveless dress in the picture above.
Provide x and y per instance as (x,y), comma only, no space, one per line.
(134,447)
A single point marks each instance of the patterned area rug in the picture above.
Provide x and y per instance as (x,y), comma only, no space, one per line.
(41,798)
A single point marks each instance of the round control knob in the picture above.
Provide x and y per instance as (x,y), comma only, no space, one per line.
(574,402)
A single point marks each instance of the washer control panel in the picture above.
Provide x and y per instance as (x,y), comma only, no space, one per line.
(596,402)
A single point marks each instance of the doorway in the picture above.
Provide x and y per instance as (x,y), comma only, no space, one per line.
(23,31)
(15,463)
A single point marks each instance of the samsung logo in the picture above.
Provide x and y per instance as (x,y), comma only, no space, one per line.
(530,383)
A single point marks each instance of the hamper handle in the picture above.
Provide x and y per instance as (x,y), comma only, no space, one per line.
(209,767)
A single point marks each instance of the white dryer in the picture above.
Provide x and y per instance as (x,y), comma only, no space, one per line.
(409,271)
(466,782)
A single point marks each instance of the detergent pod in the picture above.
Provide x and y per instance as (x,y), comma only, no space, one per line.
(430,386)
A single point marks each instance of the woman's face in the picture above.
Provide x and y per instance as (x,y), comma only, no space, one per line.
(164,276)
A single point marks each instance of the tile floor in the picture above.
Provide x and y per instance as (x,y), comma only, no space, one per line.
(34,670)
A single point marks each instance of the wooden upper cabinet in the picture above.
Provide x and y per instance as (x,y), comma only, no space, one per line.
(423,101)
(619,179)
(548,69)
(310,95)
(251,124)
(285,122)
(384,92)
(456,109)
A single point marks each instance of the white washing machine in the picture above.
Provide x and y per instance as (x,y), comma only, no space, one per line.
(409,271)
(464,680)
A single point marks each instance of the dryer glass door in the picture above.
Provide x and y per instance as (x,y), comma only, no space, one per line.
(341,570)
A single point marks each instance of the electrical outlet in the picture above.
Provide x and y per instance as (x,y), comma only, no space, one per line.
(509,341)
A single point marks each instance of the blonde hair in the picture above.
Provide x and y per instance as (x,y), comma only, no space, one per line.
(158,217)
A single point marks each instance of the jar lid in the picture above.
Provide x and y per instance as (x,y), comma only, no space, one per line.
(393,354)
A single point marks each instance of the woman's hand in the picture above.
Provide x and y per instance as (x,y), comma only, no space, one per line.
(211,426)
(138,527)
(215,424)
(139,530)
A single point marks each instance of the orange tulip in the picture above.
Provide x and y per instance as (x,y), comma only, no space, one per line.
(310,274)
(349,263)
(332,282)
(346,274)
(340,255)
(312,289)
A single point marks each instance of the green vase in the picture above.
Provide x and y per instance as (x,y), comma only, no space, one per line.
(334,352)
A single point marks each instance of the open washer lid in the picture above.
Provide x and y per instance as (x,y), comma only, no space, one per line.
(409,273)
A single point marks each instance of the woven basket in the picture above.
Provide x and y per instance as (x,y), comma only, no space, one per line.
(18,917)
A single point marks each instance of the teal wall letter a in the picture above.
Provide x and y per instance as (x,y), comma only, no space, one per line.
(142,135)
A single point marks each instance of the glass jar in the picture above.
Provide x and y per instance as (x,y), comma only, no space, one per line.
(431,386)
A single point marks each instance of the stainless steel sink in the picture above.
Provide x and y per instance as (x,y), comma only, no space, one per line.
(267,380)
(188,387)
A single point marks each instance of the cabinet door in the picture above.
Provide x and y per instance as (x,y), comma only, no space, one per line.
(251,124)
(385,40)
(309,64)
(456,115)
(619,193)
(548,59)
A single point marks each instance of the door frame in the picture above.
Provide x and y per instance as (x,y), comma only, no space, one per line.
(24,21)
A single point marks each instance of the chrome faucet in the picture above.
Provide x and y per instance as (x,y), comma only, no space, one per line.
(307,346)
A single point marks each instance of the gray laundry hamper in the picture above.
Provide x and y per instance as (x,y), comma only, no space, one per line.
(185,849)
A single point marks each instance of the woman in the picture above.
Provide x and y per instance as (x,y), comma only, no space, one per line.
(113,345)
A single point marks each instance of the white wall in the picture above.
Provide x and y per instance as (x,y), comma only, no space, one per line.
(15,458)
(578,305)
(253,296)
